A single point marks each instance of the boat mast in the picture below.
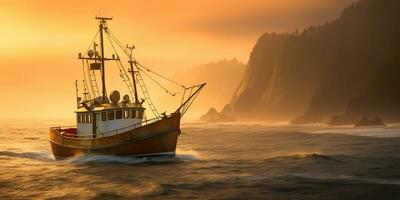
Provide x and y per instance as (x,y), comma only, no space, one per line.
(132,71)
(103,21)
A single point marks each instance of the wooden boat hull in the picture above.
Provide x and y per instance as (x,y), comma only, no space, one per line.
(158,138)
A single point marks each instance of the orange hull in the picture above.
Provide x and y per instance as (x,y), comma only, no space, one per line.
(158,138)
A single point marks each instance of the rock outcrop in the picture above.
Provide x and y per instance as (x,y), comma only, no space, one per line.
(213,116)
(370,122)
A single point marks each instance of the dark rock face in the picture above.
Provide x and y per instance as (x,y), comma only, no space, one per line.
(249,96)
(280,78)
(348,68)
(365,79)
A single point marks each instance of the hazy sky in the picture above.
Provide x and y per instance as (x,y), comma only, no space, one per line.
(39,40)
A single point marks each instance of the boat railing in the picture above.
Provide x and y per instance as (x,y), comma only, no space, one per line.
(62,127)
(130,127)
(106,134)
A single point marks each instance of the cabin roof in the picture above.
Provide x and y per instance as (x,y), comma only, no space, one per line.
(111,106)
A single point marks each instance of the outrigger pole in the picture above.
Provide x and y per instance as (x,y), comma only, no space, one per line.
(185,105)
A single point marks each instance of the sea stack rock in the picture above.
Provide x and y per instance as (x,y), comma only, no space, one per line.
(370,122)
(213,116)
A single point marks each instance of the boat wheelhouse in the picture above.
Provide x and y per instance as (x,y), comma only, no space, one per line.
(103,120)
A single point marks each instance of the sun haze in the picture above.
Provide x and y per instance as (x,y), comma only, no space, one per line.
(40,40)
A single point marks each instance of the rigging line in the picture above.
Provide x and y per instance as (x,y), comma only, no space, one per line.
(166,90)
(149,102)
(183,96)
(84,75)
(190,104)
(194,86)
(151,71)
(119,63)
(116,53)
(86,91)
(118,43)
(191,99)
(138,64)
(142,85)
(125,78)
(112,45)
(190,93)
(83,64)
(90,79)
(91,42)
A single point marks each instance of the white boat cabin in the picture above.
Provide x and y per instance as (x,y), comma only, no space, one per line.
(108,119)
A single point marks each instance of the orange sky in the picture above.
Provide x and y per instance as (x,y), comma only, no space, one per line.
(39,40)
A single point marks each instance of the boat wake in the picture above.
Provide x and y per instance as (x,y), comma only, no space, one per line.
(181,155)
(187,154)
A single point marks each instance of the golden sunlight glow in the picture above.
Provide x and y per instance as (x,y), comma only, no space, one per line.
(40,40)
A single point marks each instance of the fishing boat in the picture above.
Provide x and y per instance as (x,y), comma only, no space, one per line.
(109,125)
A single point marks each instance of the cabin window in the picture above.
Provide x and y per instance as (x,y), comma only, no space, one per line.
(132,113)
(141,114)
(118,114)
(110,115)
(136,114)
(103,116)
(126,114)
(88,118)
(83,118)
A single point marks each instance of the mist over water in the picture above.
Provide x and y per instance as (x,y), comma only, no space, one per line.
(213,161)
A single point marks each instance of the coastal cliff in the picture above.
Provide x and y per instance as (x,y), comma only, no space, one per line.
(346,68)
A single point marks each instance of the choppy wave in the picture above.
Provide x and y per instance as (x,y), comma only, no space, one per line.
(43,156)
(342,178)
(383,132)
(313,155)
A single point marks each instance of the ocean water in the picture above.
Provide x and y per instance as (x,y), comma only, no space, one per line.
(213,161)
